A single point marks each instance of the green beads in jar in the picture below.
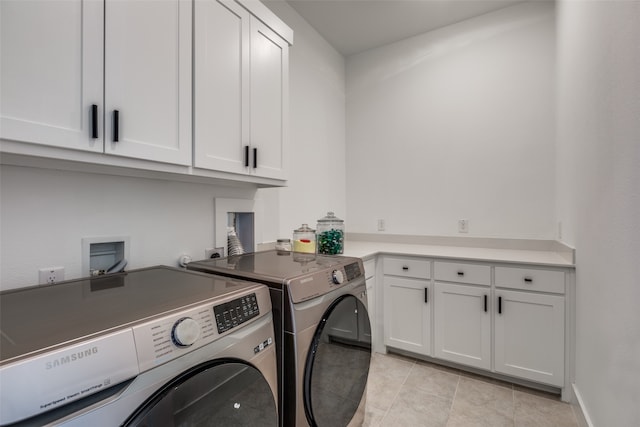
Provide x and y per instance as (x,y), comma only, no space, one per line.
(330,235)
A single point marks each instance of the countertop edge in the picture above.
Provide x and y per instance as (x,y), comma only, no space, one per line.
(545,258)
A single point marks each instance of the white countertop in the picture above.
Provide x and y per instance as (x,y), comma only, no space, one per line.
(367,249)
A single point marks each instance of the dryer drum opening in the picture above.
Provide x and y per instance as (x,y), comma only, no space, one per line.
(338,364)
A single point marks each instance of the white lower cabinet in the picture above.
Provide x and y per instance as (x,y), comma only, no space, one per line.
(407,314)
(462,324)
(503,319)
(529,336)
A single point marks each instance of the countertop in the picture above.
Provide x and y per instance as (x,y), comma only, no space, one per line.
(535,252)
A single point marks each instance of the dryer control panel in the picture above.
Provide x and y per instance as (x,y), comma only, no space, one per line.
(318,283)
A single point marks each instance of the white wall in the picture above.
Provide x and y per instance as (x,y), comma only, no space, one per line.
(317,117)
(44,214)
(456,123)
(599,198)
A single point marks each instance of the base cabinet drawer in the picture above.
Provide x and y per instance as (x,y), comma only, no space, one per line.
(407,267)
(462,272)
(530,279)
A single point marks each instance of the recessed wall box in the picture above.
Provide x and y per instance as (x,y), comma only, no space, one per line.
(102,252)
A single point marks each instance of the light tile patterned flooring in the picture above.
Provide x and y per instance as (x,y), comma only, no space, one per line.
(405,392)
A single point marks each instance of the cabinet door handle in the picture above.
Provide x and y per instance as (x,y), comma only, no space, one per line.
(405,268)
(485,303)
(255,158)
(426,295)
(499,305)
(246,156)
(460,273)
(116,125)
(528,280)
(94,121)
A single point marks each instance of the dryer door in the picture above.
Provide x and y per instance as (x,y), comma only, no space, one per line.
(337,366)
(225,392)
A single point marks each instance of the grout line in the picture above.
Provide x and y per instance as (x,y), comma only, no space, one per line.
(453,399)
(413,364)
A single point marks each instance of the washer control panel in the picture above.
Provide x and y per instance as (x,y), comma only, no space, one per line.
(236,312)
(166,338)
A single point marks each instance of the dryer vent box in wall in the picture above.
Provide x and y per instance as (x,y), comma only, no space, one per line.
(101,253)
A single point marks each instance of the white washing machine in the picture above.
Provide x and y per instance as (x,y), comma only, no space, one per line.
(150,347)
(323,331)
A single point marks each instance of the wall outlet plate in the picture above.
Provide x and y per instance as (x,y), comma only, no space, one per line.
(463,226)
(50,275)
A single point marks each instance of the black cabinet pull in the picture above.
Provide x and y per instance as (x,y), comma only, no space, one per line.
(255,158)
(405,268)
(426,295)
(116,125)
(499,305)
(485,303)
(94,121)
(246,156)
(461,273)
(528,280)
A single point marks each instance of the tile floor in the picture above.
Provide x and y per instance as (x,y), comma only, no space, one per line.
(405,392)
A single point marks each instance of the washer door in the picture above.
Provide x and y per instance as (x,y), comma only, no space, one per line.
(337,365)
(224,392)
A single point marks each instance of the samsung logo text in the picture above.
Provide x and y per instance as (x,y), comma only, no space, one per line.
(70,358)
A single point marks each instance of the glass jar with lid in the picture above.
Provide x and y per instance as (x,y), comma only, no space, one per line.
(330,235)
(283,245)
(304,239)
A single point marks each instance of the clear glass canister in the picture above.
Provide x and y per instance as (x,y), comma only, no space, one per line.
(283,245)
(304,239)
(330,235)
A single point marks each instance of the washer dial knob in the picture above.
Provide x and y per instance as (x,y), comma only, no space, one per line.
(185,332)
(337,277)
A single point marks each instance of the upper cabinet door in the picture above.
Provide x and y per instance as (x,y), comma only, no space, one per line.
(269,101)
(51,72)
(221,86)
(148,79)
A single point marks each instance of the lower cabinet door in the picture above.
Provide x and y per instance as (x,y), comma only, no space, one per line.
(407,314)
(529,336)
(462,324)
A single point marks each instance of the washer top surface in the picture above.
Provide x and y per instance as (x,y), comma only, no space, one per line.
(39,317)
(274,267)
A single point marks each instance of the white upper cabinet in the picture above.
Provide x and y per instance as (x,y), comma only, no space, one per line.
(148,79)
(51,71)
(269,100)
(221,82)
(68,66)
(189,87)
(241,91)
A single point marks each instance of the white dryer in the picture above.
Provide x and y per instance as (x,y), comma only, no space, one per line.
(156,346)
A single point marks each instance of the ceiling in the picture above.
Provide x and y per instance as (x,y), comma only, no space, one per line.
(353,26)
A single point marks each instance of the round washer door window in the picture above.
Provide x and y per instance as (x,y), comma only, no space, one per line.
(337,366)
(218,393)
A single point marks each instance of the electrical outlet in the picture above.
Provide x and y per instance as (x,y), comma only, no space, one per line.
(48,276)
(214,253)
(381,225)
(463,226)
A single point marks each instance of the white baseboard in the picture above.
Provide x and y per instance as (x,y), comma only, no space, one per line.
(580,410)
